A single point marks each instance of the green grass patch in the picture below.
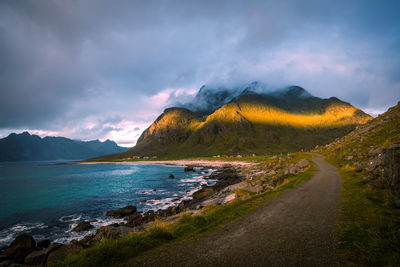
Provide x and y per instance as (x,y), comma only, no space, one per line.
(110,252)
(369,224)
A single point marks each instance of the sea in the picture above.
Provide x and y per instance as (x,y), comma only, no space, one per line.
(48,199)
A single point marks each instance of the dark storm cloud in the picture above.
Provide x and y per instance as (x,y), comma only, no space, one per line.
(70,64)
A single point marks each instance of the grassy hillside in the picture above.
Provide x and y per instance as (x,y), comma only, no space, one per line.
(369,221)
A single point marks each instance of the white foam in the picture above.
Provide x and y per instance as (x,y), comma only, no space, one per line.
(70,235)
(8,234)
(71,218)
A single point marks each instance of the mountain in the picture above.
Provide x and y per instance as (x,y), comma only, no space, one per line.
(27,147)
(251,120)
(365,149)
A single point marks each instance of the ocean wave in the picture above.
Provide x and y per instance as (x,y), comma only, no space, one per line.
(9,234)
(71,218)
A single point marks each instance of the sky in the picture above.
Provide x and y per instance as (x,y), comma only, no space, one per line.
(94,69)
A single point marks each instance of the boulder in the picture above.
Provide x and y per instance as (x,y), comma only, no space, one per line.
(189,169)
(122,212)
(59,253)
(134,220)
(83,226)
(23,241)
(203,193)
(302,164)
(36,258)
(19,249)
(392,170)
(171,176)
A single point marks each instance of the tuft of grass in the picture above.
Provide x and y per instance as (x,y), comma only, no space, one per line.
(111,252)
(369,223)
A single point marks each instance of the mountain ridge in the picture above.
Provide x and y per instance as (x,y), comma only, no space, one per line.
(27,147)
(252,121)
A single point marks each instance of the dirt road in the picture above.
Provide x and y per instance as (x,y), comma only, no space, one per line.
(296,228)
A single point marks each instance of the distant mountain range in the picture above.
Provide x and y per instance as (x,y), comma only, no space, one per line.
(247,120)
(27,147)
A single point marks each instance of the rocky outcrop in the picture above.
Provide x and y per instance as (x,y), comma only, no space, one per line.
(189,169)
(83,226)
(19,249)
(122,212)
(392,171)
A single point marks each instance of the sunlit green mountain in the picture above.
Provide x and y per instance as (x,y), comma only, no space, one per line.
(249,121)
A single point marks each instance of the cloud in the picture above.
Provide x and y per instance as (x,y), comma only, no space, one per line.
(86,69)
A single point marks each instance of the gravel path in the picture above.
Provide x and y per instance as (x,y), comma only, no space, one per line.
(296,228)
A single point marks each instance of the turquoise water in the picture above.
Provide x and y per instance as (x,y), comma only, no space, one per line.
(48,199)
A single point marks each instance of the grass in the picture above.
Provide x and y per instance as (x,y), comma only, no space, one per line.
(109,252)
(369,224)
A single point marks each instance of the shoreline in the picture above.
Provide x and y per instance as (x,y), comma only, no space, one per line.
(229,177)
(194,163)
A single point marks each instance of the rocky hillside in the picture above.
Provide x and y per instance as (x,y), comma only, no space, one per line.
(252,121)
(27,147)
(371,148)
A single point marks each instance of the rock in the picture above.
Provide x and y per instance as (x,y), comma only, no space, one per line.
(59,253)
(40,257)
(293,169)
(349,157)
(36,258)
(19,249)
(229,198)
(189,169)
(157,198)
(134,220)
(43,243)
(392,169)
(303,163)
(83,226)
(23,241)
(143,201)
(171,176)
(203,193)
(122,212)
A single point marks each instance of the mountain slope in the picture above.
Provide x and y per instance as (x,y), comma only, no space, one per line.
(253,121)
(26,147)
(368,161)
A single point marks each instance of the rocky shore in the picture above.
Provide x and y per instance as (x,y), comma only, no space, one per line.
(231,179)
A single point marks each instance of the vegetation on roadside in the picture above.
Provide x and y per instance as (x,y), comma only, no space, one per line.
(369,222)
(109,252)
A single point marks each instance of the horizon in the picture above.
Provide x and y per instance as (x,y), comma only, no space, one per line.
(92,70)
